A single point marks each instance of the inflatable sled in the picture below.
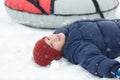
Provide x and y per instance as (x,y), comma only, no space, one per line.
(56,13)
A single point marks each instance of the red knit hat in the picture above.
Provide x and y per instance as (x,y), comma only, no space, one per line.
(43,54)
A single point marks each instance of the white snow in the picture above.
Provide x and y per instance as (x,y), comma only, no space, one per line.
(16,60)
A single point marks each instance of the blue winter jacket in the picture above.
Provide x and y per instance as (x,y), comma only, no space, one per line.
(93,44)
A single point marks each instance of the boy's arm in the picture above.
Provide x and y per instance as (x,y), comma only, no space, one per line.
(91,58)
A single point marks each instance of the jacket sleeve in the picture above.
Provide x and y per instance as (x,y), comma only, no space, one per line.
(64,29)
(67,28)
(90,57)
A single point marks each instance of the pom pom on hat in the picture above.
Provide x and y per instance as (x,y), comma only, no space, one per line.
(43,54)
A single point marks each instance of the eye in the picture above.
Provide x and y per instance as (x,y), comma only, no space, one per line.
(48,38)
(52,45)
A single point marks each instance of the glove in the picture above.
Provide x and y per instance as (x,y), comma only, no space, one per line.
(118,73)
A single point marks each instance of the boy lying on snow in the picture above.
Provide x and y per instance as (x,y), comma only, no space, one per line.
(92,44)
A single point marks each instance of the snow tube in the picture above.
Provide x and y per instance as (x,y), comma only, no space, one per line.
(56,13)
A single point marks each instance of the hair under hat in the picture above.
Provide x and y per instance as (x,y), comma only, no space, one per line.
(43,54)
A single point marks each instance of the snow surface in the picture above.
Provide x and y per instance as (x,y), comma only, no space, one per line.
(16,60)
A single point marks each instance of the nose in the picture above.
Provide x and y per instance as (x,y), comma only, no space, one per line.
(54,40)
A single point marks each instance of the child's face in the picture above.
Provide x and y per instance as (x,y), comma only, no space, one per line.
(56,41)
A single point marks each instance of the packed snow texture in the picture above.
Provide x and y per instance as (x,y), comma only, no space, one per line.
(16,59)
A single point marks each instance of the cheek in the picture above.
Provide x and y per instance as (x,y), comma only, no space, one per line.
(58,46)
